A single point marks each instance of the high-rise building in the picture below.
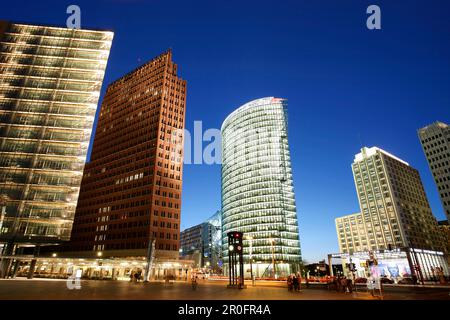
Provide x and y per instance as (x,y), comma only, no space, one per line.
(131,188)
(215,249)
(257,187)
(50,81)
(351,231)
(444,227)
(394,208)
(435,140)
(202,243)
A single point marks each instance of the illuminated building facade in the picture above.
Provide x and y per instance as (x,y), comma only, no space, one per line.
(131,188)
(203,243)
(257,188)
(435,140)
(394,208)
(444,228)
(50,81)
(395,224)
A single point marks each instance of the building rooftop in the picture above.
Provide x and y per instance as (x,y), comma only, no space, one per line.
(251,104)
(435,124)
(368,152)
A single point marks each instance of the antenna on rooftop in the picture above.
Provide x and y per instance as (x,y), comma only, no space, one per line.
(360,140)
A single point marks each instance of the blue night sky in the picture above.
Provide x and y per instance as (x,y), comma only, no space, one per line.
(346,86)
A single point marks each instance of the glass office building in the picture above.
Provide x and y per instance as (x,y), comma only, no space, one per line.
(50,81)
(257,188)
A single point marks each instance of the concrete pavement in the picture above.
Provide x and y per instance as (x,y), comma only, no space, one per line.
(41,289)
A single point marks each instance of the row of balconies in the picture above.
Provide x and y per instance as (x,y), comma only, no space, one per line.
(45,120)
(59,32)
(49,134)
(43,162)
(32,83)
(48,72)
(56,42)
(45,108)
(18,48)
(48,95)
(38,193)
(43,147)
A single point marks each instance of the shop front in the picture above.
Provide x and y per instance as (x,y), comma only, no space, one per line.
(99,269)
(394,264)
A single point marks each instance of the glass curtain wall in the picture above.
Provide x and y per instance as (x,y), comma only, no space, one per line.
(257,188)
(50,81)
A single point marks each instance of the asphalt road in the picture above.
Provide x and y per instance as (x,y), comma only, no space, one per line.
(39,289)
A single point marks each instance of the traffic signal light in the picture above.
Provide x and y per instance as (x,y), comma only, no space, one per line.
(235,247)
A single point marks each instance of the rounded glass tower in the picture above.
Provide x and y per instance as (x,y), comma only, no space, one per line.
(257,188)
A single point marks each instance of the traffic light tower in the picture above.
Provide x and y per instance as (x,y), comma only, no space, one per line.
(235,258)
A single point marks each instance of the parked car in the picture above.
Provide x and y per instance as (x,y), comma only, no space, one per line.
(361,280)
(406,281)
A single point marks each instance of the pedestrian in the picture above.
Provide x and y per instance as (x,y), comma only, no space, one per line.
(194,282)
(338,283)
(441,276)
(289,282)
(349,285)
(414,279)
(344,284)
(136,277)
(131,276)
(299,277)
(295,282)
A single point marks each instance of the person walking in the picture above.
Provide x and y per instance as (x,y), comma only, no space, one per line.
(338,284)
(289,283)
(344,284)
(441,275)
(295,282)
(194,282)
(349,285)
(414,279)
(299,277)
